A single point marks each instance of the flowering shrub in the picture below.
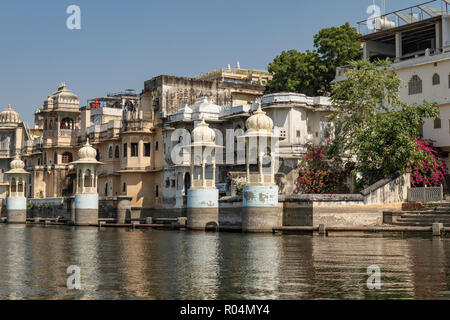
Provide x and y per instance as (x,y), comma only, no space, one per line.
(317,176)
(429,169)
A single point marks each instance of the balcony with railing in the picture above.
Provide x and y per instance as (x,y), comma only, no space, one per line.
(256,179)
(410,15)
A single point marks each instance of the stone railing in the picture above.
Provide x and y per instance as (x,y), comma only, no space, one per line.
(256,178)
(426,194)
(393,189)
(68,133)
(199,184)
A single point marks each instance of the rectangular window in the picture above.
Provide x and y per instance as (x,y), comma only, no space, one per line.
(146,149)
(156,145)
(134,150)
(437,123)
(298,133)
(125,150)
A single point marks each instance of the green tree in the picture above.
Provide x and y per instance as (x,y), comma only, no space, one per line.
(373,127)
(311,72)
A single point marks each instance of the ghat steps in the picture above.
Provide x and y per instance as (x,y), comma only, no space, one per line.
(438,212)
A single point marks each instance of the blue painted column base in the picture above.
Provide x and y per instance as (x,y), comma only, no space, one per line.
(86,209)
(16,210)
(260,209)
(203,209)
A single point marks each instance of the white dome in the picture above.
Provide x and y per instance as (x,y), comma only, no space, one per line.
(87,153)
(259,121)
(17,167)
(203,134)
(17,164)
(65,93)
(9,116)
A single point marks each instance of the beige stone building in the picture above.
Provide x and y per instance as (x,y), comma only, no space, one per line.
(126,129)
(14,137)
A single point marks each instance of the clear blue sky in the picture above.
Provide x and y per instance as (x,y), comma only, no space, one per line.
(123,43)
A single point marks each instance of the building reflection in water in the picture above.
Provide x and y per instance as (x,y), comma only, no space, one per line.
(13,268)
(430,269)
(249,265)
(146,264)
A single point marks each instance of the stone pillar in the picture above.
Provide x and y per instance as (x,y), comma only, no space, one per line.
(203,209)
(260,208)
(398,46)
(365,51)
(438,36)
(123,209)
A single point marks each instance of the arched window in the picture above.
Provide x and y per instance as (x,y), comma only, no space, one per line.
(117,152)
(415,85)
(88,179)
(20,185)
(436,79)
(67,157)
(50,126)
(156,191)
(437,123)
(110,152)
(67,124)
(106,189)
(13,185)
(98,155)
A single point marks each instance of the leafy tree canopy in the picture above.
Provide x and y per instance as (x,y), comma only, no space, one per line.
(373,127)
(311,72)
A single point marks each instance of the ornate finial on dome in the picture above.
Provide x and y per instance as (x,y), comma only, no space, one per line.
(17,163)
(62,86)
(9,116)
(203,133)
(87,153)
(259,121)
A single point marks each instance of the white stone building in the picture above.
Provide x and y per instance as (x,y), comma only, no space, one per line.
(297,118)
(417,41)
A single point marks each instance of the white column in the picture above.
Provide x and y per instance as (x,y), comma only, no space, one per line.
(273,168)
(260,158)
(203,173)
(247,161)
(214,173)
(192,170)
(82,180)
(438,35)
(365,51)
(77,181)
(398,46)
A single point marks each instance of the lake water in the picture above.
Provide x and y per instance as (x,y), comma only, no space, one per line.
(150,264)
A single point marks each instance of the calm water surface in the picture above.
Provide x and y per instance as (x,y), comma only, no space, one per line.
(123,264)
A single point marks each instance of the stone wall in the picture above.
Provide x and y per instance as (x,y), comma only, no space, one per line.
(171,92)
(50,208)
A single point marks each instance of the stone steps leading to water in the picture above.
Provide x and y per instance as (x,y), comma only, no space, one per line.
(438,212)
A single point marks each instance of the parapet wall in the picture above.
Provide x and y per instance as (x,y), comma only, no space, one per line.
(364,209)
